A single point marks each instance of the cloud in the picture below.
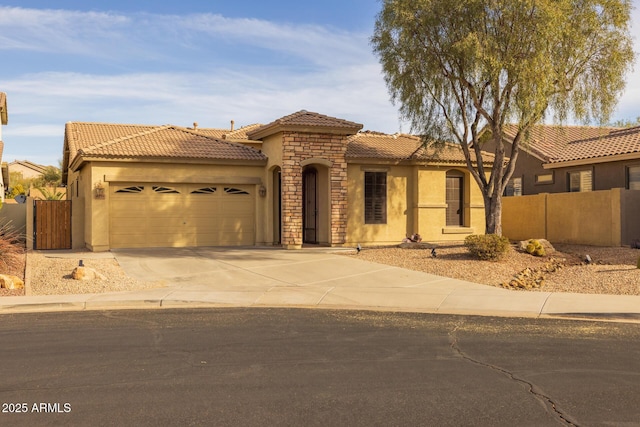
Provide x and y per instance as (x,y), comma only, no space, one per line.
(144,36)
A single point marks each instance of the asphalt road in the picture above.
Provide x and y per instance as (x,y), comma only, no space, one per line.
(311,367)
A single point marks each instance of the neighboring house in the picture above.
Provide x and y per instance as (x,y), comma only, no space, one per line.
(303,178)
(27,169)
(557,159)
(4,119)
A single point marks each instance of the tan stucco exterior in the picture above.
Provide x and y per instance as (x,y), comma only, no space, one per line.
(599,218)
(293,155)
(416,203)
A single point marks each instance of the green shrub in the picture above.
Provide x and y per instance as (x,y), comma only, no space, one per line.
(489,247)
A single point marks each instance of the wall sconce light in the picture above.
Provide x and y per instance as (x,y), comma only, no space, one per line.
(98,190)
(262,191)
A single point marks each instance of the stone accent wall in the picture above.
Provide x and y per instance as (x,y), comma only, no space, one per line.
(297,147)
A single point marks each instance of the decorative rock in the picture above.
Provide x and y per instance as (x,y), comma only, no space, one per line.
(86,273)
(8,281)
(415,245)
(548,247)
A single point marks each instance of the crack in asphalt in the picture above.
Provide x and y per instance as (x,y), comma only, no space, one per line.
(546,400)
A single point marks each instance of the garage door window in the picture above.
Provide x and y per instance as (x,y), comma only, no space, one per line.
(231,190)
(159,189)
(135,189)
(205,190)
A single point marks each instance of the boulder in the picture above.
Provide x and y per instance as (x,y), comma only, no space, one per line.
(86,273)
(8,281)
(548,247)
(415,245)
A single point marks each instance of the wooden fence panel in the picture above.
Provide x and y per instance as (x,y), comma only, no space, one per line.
(52,228)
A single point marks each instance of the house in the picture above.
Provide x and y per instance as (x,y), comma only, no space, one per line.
(577,183)
(26,169)
(305,178)
(556,159)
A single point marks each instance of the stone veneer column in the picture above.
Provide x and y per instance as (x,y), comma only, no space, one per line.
(296,147)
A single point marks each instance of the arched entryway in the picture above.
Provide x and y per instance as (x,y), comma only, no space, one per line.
(276,185)
(310,205)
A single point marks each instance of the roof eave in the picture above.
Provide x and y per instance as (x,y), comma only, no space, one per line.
(274,128)
(592,160)
(81,159)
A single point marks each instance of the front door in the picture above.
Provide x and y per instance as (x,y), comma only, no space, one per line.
(309,205)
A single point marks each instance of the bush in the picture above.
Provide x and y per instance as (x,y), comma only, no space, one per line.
(535,248)
(11,247)
(489,247)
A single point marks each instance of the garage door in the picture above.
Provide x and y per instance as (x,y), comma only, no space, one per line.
(157,215)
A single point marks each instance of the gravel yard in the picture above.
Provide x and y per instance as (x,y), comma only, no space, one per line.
(50,275)
(613,270)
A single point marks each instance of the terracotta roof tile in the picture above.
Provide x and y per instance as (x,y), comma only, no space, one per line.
(130,141)
(618,141)
(375,145)
(239,134)
(305,118)
(550,141)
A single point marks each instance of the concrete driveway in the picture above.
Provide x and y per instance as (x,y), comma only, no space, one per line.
(278,277)
(269,277)
(241,268)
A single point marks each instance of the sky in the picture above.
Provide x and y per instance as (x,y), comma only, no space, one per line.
(179,62)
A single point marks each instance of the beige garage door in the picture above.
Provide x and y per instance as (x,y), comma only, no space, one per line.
(158,215)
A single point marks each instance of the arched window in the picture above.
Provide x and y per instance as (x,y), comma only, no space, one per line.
(455,198)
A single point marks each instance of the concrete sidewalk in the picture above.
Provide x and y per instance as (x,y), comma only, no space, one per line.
(257,277)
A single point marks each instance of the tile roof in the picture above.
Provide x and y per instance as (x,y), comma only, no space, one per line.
(228,134)
(114,141)
(305,118)
(376,145)
(26,163)
(549,141)
(616,142)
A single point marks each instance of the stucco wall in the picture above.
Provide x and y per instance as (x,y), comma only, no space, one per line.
(399,216)
(416,203)
(523,217)
(14,215)
(599,218)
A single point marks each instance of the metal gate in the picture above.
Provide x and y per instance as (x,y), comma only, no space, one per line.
(52,224)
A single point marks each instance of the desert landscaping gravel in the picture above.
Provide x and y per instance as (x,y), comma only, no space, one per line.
(613,270)
(50,275)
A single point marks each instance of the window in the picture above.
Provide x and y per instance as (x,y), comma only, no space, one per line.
(546,178)
(135,189)
(375,197)
(231,190)
(455,199)
(160,189)
(580,181)
(633,177)
(205,190)
(514,187)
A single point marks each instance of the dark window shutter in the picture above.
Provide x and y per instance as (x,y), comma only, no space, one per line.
(375,197)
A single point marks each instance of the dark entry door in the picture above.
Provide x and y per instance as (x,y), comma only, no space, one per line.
(310,205)
(454,201)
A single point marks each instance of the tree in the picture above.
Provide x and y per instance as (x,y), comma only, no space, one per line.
(51,176)
(465,68)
